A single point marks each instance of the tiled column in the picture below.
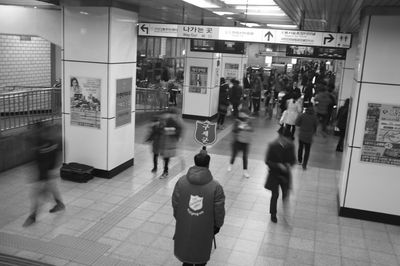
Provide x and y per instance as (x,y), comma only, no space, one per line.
(370,190)
(99,51)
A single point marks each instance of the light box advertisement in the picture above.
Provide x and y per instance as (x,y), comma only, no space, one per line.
(381,143)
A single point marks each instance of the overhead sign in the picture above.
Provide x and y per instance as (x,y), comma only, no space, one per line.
(293,37)
(316,52)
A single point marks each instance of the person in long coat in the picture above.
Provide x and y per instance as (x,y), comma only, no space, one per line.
(342,123)
(154,136)
(223,102)
(198,203)
(307,123)
(279,159)
(171,133)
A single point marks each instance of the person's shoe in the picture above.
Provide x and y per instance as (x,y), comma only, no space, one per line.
(57,207)
(222,127)
(304,167)
(246,174)
(300,161)
(273,218)
(29,221)
(164,175)
(229,168)
(154,170)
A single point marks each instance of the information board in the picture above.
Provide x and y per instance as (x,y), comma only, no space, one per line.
(123,104)
(259,35)
(381,143)
(198,79)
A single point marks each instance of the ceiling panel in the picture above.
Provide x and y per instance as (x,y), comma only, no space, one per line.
(330,15)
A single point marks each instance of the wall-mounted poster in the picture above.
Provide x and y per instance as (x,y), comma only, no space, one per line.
(381,142)
(124,102)
(231,71)
(198,79)
(85,101)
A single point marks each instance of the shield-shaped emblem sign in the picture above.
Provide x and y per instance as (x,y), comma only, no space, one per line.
(205,132)
(195,203)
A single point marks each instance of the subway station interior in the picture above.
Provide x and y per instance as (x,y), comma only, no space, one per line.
(151,125)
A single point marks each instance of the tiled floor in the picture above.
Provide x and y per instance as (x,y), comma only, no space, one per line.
(128,220)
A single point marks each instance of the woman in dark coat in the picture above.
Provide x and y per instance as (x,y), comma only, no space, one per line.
(280,157)
(223,103)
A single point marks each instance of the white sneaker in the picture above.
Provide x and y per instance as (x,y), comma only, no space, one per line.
(229,168)
(246,174)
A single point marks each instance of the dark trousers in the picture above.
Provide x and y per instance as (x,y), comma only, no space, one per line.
(166,162)
(342,134)
(155,162)
(221,119)
(256,104)
(275,194)
(323,120)
(189,264)
(240,146)
(235,107)
(306,147)
(292,130)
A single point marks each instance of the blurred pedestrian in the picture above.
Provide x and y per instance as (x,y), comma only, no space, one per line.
(279,159)
(256,94)
(235,95)
(307,123)
(154,136)
(242,133)
(342,123)
(223,103)
(171,134)
(322,103)
(198,203)
(46,155)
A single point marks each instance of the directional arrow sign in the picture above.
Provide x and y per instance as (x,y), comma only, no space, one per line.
(268,35)
(144,28)
(329,39)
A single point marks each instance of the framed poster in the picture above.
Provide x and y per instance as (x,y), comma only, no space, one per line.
(123,102)
(198,79)
(381,143)
(85,101)
(231,71)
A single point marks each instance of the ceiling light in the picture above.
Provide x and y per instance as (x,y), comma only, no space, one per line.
(266,14)
(84,13)
(201,3)
(221,13)
(229,17)
(259,8)
(248,24)
(35,7)
(250,2)
(282,26)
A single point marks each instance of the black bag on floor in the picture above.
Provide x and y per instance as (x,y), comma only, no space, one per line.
(76,172)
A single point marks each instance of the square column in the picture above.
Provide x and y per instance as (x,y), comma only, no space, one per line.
(370,176)
(99,74)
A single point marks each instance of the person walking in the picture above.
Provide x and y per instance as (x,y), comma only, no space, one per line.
(198,202)
(342,123)
(256,95)
(242,133)
(171,133)
(322,102)
(223,103)
(293,109)
(247,88)
(46,151)
(279,159)
(235,96)
(154,136)
(307,123)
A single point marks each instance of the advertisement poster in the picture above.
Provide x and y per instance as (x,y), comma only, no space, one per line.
(381,142)
(198,80)
(231,71)
(124,102)
(85,101)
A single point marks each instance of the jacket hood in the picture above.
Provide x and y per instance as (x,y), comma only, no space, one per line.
(197,175)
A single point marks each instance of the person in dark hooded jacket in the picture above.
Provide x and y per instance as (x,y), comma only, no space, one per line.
(198,202)
(307,123)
